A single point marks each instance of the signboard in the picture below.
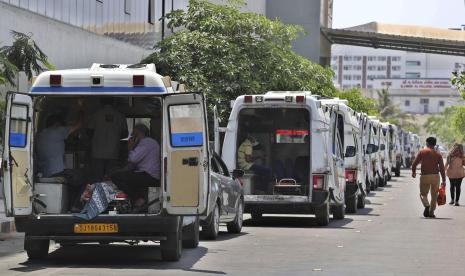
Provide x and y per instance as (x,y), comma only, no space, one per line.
(414,83)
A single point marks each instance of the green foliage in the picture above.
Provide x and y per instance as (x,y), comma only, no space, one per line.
(24,55)
(358,102)
(224,53)
(449,126)
(458,81)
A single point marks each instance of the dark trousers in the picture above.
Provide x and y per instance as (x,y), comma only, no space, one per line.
(133,183)
(455,188)
(264,173)
(102,168)
(75,180)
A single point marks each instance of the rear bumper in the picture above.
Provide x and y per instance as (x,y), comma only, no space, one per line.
(129,227)
(285,204)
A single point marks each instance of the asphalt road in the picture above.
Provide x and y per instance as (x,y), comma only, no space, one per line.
(389,237)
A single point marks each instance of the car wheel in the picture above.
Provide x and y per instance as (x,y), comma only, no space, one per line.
(322,215)
(36,249)
(339,212)
(361,202)
(235,226)
(351,204)
(171,248)
(190,235)
(211,230)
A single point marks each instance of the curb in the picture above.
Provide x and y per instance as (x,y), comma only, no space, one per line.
(7,226)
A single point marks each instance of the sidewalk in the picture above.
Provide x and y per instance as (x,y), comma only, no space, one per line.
(7,225)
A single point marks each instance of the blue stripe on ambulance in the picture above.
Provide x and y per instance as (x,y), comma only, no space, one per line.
(187,139)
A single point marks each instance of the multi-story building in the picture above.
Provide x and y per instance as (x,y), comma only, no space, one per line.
(417,82)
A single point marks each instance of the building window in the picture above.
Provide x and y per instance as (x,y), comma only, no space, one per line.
(371,58)
(347,58)
(371,77)
(347,77)
(334,67)
(424,101)
(382,58)
(381,76)
(127,6)
(335,58)
(412,75)
(396,58)
(357,58)
(396,68)
(413,63)
(371,68)
(358,67)
(382,68)
(356,77)
(407,103)
(441,103)
(347,67)
(396,76)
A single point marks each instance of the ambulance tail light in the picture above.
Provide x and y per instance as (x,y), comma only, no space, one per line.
(55,80)
(318,182)
(138,80)
(300,99)
(351,176)
(248,99)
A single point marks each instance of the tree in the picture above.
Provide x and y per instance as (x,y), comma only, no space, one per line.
(446,126)
(224,53)
(358,102)
(23,55)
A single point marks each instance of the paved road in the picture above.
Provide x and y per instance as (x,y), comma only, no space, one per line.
(390,237)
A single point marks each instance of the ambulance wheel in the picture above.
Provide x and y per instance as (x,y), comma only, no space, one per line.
(339,212)
(36,249)
(190,235)
(361,202)
(398,172)
(322,215)
(211,230)
(235,226)
(256,215)
(368,185)
(171,248)
(351,205)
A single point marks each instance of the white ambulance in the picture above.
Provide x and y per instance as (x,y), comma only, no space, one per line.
(349,127)
(395,150)
(292,136)
(176,120)
(377,154)
(386,157)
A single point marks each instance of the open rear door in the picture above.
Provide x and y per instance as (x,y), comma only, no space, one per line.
(186,154)
(17,155)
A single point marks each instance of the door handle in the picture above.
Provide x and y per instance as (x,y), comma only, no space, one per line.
(191,161)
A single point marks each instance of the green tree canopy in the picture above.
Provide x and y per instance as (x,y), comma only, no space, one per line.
(224,53)
(358,102)
(446,126)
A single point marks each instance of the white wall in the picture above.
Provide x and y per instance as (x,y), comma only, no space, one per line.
(66,46)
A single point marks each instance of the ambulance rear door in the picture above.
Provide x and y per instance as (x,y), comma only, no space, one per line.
(186,161)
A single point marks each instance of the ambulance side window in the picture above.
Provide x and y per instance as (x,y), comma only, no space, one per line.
(18,126)
(186,125)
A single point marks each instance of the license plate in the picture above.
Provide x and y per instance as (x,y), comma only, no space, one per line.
(96,228)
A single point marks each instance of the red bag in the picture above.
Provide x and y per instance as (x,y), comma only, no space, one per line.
(442,195)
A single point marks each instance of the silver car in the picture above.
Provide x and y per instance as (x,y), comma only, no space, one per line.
(226,202)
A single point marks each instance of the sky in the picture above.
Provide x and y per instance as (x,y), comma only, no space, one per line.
(432,13)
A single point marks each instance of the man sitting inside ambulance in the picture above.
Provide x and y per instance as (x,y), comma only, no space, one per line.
(247,161)
(144,166)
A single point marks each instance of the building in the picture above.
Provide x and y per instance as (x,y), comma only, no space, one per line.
(418,83)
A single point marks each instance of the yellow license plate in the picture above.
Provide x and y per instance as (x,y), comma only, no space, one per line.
(96,228)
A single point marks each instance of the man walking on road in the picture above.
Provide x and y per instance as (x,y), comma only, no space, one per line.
(431,165)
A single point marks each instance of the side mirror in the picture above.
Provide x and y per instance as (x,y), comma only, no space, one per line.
(382,147)
(237,173)
(371,148)
(350,151)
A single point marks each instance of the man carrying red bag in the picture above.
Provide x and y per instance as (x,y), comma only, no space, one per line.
(431,165)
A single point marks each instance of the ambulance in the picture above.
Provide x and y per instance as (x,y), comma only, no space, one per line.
(349,126)
(395,150)
(176,119)
(377,154)
(300,142)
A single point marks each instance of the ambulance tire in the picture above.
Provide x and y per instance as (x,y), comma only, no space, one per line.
(211,230)
(322,215)
(36,249)
(171,248)
(190,235)
(339,212)
(361,202)
(235,226)
(368,185)
(351,205)
(397,172)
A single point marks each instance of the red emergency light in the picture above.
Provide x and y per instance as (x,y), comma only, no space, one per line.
(138,80)
(247,99)
(299,99)
(55,80)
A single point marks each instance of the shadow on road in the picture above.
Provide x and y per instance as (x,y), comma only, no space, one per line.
(225,236)
(295,222)
(115,256)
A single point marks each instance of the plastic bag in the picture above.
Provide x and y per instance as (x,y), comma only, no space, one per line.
(442,195)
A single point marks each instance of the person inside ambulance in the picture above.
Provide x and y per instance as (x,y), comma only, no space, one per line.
(247,161)
(51,152)
(106,127)
(144,167)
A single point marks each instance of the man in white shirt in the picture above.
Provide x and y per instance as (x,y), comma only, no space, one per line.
(108,126)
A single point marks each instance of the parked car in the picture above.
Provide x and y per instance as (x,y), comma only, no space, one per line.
(226,200)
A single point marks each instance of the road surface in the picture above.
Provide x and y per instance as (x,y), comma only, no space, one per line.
(389,237)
